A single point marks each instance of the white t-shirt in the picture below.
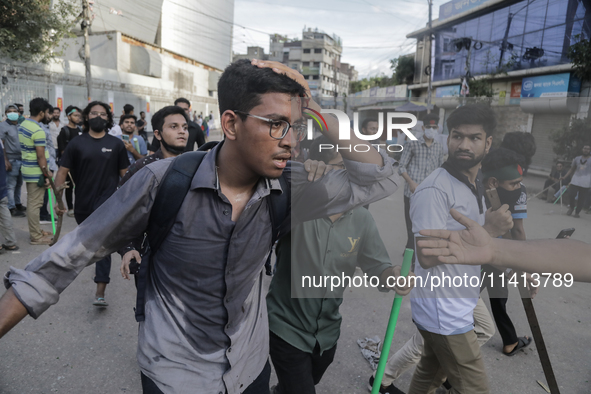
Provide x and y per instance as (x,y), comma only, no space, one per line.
(115,131)
(582,175)
(445,310)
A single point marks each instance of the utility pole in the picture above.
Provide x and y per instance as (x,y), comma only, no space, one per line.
(429,89)
(85,25)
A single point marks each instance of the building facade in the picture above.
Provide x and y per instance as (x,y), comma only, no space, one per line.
(520,48)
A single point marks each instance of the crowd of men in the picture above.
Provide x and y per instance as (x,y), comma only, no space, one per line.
(203,226)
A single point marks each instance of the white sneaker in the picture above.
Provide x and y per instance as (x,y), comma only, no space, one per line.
(71,213)
(44,221)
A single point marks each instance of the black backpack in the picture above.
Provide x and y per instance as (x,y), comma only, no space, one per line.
(169,198)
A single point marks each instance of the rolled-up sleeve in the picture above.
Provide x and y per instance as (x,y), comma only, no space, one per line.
(340,190)
(123,217)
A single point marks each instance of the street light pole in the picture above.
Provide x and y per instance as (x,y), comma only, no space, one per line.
(85,26)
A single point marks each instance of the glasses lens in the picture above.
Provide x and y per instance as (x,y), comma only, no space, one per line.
(279,129)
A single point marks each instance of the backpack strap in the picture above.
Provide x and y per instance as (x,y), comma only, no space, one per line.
(279,209)
(169,198)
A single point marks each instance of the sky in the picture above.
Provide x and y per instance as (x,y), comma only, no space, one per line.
(372,31)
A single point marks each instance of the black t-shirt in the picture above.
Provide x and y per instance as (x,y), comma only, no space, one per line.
(94,165)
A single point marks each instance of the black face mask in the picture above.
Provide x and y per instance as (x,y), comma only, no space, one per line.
(171,149)
(97,124)
(509,197)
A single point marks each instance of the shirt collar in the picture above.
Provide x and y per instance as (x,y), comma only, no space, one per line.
(207,175)
(477,189)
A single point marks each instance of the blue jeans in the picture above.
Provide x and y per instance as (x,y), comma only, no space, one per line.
(103,266)
(14,181)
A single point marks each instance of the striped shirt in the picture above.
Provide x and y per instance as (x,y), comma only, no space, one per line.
(31,135)
(419,160)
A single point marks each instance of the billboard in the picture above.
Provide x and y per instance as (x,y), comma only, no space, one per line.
(554,85)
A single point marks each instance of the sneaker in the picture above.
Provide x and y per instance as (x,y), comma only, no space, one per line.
(391,389)
(569,212)
(17,214)
(44,221)
(71,213)
(576,215)
(100,301)
(45,240)
(21,207)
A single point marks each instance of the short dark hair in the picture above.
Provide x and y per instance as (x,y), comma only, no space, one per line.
(160,115)
(142,112)
(125,117)
(522,143)
(37,105)
(429,117)
(70,108)
(242,84)
(326,154)
(127,108)
(58,108)
(19,105)
(476,114)
(107,108)
(501,157)
(182,100)
(367,120)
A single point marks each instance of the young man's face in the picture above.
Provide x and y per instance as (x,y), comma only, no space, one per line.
(75,117)
(98,110)
(185,107)
(175,131)
(509,185)
(559,167)
(370,129)
(467,145)
(56,114)
(260,153)
(143,115)
(128,126)
(586,150)
(21,109)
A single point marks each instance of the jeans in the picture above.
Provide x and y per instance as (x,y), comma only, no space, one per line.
(102,268)
(14,182)
(259,386)
(581,202)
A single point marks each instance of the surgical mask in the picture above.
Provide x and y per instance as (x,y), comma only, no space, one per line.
(97,124)
(430,133)
(12,116)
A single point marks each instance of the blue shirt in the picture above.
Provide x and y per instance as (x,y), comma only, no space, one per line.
(139,144)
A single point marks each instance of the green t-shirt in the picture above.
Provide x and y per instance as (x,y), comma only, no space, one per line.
(319,248)
(31,135)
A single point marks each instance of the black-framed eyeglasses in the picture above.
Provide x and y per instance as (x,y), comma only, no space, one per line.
(279,128)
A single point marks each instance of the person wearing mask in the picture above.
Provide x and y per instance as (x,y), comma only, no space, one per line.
(68,133)
(96,160)
(419,159)
(35,157)
(12,149)
(21,112)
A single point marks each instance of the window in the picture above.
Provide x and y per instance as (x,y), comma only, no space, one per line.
(317,50)
(306,64)
(307,50)
(316,64)
(315,76)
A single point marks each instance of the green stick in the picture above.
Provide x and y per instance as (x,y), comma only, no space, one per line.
(51,210)
(391,326)
(561,194)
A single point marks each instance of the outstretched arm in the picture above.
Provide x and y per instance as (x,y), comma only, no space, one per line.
(13,311)
(474,246)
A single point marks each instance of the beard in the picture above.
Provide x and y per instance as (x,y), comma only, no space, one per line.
(466,164)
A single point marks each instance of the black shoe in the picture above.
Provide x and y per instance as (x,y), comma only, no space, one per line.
(391,389)
(21,208)
(17,214)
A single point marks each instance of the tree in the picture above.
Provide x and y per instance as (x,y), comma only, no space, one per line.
(569,141)
(580,55)
(31,30)
(404,69)
(381,81)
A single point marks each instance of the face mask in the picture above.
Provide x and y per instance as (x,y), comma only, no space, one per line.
(171,149)
(12,116)
(97,124)
(430,133)
(510,197)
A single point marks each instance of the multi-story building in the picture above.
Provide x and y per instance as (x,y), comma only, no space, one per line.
(520,47)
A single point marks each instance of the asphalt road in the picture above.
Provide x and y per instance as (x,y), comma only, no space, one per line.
(77,348)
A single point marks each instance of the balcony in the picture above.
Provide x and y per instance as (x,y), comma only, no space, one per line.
(311,70)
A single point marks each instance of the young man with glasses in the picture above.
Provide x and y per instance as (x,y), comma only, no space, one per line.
(205,324)
(96,161)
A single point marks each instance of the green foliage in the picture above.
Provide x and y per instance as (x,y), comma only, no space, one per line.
(569,141)
(30,30)
(404,69)
(372,82)
(580,55)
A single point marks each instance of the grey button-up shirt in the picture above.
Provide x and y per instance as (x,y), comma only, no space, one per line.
(12,146)
(420,160)
(206,318)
